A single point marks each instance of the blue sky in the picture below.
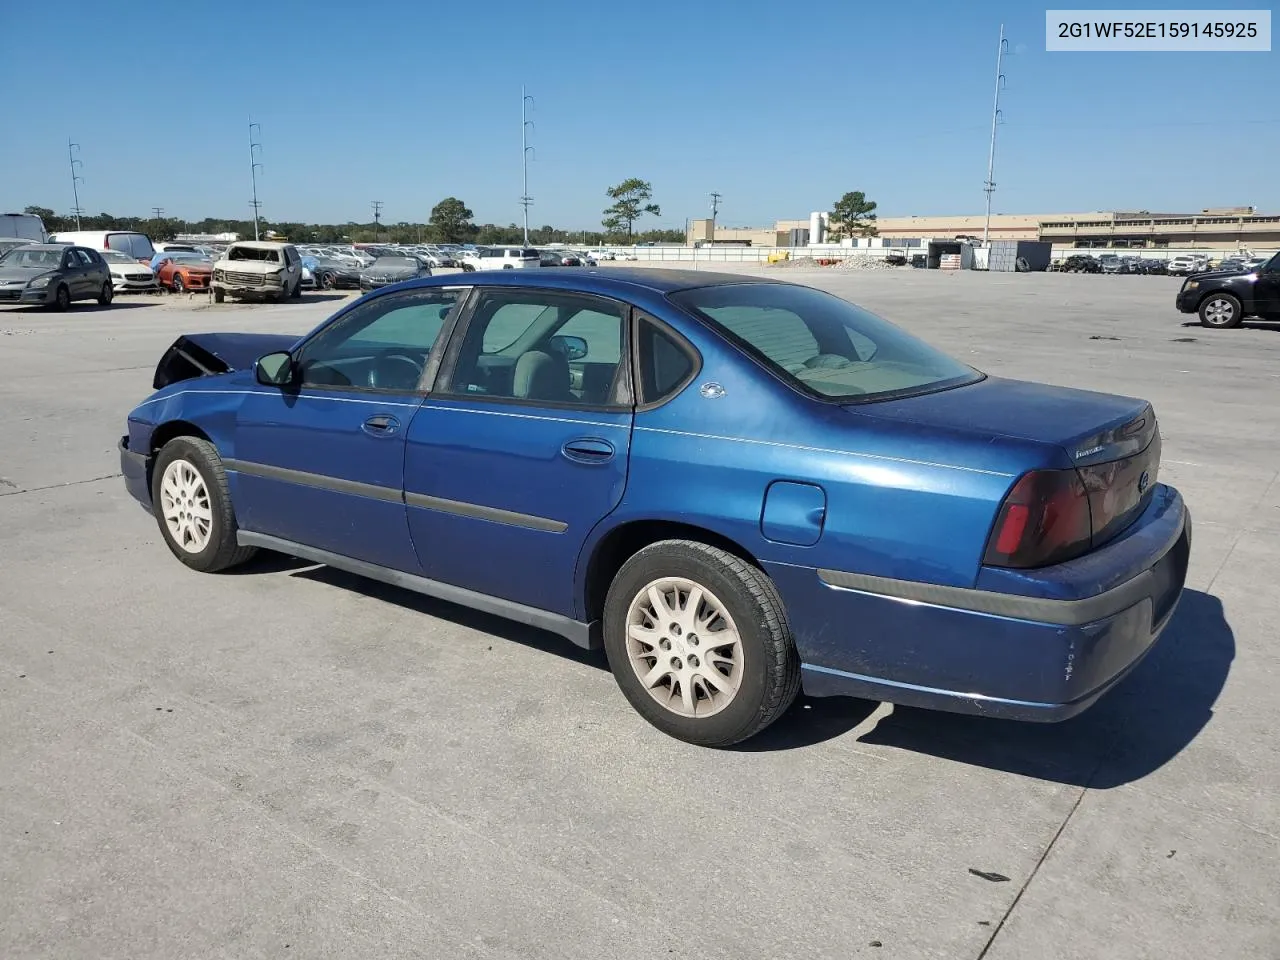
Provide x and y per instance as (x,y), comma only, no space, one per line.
(780,107)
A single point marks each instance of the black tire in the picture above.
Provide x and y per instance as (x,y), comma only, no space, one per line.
(327,281)
(770,664)
(1221,311)
(61,298)
(178,285)
(297,289)
(219,295)
(106,294)
(221,551)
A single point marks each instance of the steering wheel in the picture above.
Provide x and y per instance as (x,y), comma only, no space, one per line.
(394,370)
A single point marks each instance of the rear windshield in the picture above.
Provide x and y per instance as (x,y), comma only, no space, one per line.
(823,345)
(395,263)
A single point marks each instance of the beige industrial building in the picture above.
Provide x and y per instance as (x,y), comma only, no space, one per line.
(1217,228)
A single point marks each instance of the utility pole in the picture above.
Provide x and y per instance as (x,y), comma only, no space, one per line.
(157,212)
(254,167)
(990,184)
(525,124)
(76,179)
(377,213)
(715,208)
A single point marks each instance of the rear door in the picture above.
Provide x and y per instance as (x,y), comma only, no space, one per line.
(321,463)
(523,447)
(75,271)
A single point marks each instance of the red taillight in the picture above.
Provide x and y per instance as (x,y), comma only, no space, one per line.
(1044,519)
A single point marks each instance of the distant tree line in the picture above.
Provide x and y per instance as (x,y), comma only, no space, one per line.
(450,222)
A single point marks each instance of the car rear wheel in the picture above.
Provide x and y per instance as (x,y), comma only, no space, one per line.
(192,505)
(105,294)
(1220,310)
(699,644)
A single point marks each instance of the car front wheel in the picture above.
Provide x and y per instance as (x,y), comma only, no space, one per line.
(698,642)
(192,505)
(1220,310)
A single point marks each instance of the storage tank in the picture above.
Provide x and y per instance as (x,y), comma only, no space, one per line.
(817,227)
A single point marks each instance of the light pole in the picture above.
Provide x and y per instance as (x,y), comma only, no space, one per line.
(377,212)
(525,124)
(254,167)
(990,184)
(76,179)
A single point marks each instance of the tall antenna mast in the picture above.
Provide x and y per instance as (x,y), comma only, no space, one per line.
(990,184)
(254,167)
(76,179)
(525,124)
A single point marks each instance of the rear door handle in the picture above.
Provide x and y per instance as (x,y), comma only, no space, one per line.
(382,425)
(588,450)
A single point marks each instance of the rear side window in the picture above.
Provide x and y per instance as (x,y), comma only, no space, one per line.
(665,366)
(822,345)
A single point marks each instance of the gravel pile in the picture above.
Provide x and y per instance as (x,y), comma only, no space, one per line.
(864,263)
(797,262)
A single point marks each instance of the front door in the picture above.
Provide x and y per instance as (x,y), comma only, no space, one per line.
(522,448)
(74,270)
(322,462)
(1266,289)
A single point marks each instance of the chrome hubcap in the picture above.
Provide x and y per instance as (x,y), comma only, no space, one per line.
(184,504)
(684,647)
(1219,311)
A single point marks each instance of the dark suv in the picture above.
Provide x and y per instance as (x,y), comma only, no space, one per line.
(1223,299)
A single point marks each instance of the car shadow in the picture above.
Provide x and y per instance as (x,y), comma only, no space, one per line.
(79,307)
(455,613)
(1244,324)
(1136,728)
(325,296)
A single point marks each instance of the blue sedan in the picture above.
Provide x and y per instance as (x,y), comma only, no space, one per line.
(739,488)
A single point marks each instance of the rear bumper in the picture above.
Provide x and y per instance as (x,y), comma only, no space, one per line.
(1042,649)
(136,469)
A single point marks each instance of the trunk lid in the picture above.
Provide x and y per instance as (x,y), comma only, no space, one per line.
(1113,441)
(1091,427)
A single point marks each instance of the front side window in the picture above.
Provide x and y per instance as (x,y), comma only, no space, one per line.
(381,345)
(542,346)
(823,345)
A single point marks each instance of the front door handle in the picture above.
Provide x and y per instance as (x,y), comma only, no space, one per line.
(588,450)
(382,425)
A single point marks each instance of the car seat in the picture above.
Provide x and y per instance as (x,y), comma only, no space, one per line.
(542,376)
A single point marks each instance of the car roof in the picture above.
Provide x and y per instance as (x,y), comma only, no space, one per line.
(616,281)
(262,244)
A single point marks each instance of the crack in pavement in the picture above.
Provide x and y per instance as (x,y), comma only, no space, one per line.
(54,486)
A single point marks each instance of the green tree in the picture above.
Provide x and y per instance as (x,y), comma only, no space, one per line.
(854,214)
(630,202)
(451,221)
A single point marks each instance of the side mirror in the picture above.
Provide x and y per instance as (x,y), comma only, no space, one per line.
(571,348)
(275,369)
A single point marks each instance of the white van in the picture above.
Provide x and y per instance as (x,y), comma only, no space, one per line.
(136,245)
(501,258)
(25,226)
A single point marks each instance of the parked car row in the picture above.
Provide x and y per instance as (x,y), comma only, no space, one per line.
(1183,265)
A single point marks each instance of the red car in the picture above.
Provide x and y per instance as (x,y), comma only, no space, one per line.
(184,271)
